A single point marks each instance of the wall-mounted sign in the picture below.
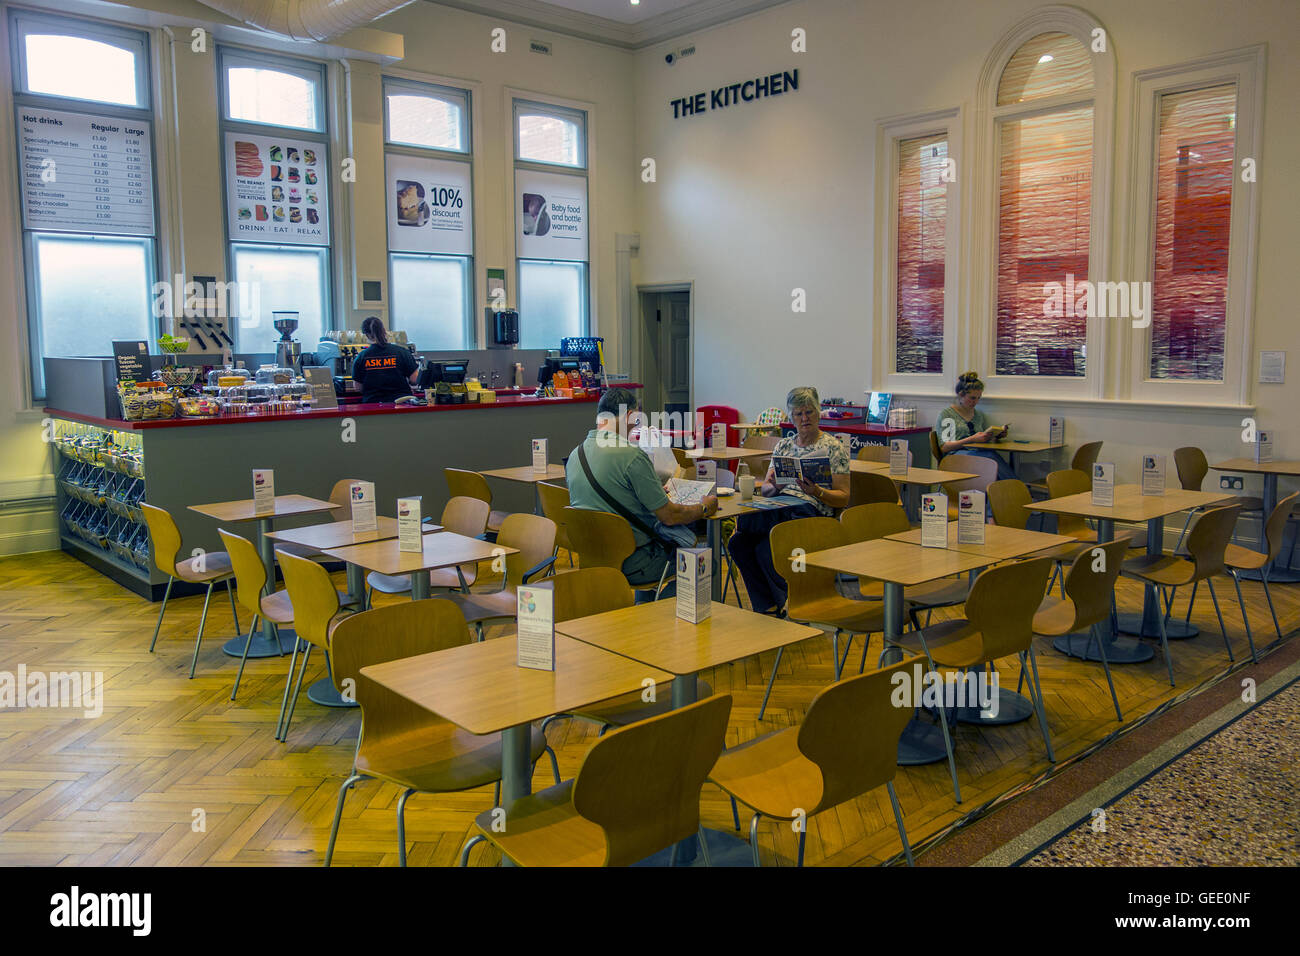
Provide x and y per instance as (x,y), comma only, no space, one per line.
(787,81)
(85,173)
(430,207)
(277,190)
(551,213)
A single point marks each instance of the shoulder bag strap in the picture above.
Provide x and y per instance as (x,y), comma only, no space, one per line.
(621,511)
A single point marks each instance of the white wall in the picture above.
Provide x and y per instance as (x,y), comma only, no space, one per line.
(757,199)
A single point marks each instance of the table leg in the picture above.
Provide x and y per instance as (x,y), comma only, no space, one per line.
(356,584)
(920,742)
(1118,650)
(265,644)
(715,548)
(1012,707)
(324,693)
(419,585)
(913,499)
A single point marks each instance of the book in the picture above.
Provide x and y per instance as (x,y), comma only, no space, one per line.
(789,470)
(535,609)
(362,498)
(684,491)
(1153,474)
(694,584)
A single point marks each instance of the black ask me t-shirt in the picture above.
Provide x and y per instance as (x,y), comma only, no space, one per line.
(384,372)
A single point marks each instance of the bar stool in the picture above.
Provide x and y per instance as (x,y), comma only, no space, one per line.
(470,484)
(211,567)
(1237,559)
(462,515)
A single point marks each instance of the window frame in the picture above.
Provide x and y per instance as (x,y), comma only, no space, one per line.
(434,91)
(124,37)
(889,133)
(229,54)
(585,292)
(1245,69)
(543,108)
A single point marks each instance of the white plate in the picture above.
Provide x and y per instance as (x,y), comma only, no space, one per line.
(724,492)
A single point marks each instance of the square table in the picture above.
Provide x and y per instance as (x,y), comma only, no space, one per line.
(898,565)
(1270,470)
(1132,506)
(1016,446)
(442,549)
(728,453)
(1000,543)
(525,475)
(232,512)
(914,480)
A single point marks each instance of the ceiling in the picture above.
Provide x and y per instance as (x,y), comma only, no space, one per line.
(616,22)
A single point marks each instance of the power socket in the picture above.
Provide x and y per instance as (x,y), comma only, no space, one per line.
(1230,482)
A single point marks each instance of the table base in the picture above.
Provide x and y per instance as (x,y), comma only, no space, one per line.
(1278,575)
(324,693)
(1121,651)
(921,743)
(1131,623)
(725,849)
(1012,708)
(262,646)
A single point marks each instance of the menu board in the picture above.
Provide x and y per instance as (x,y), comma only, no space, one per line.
(430,206)
(85,173)
(277,190)
(550,216)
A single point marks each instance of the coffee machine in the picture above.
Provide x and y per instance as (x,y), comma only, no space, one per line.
(288,351)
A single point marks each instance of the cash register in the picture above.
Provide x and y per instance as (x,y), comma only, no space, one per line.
(447,379)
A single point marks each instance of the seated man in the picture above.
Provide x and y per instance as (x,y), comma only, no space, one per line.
(625,481)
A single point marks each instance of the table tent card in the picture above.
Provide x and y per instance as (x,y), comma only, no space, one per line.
(536,628)
(971,511)
(898,456)
(1263,447)
(362,496)
(539,456)
(694,584)
(1153,474)
(1056,430)
(706,470)
(934,521)
(410,536)
(263,490)
(718,435)
(1103,484)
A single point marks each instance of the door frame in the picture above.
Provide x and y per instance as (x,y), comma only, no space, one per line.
(637,355)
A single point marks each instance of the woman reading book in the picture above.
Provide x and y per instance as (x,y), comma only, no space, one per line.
(961,424)
(812,466)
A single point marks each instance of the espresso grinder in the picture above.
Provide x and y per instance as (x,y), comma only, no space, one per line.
(288,351)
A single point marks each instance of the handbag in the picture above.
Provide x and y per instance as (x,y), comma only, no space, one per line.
(673,536)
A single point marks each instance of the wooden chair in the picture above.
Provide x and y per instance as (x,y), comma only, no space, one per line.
(684,462)
(1062,484)
(1008,501)
(1237,559)
(999,622)
(341,495)
(936,450)
(210,568)
(317,611)
(605,540)
(1086,604)
(462,515)
(868,487)
(534,538)
(1192,467)
(554,499)
(1207,544)
(400,742)
(879,453)
(846,746)
(811,597)
(251,581)
(636,793)
(985,471)
(1085,456)
(759,466)
(470,484)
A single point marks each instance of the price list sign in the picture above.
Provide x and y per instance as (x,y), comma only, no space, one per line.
(85,173)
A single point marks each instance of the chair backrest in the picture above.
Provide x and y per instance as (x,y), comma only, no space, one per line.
(391,633)
(554,499)
(533,535)
(871,521)
(866,487)
(879,453)
(1002,603)
(984,469)
(1192,467)
(1085,456)
(1091,580)
(1275,529)
(588,591)
(470,484)
(936,452)
(315,602)
(466,515)
(341,494)
(641,784)
(808,534)
(765,442)
(1208,539)
(851,732)
(726,479)
(1007,500)
(721,413)
(602,540)
(683,460)
(166,538)
(250,573)
(770,416)
(1062,484)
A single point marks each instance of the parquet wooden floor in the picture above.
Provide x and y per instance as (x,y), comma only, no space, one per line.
(128,787)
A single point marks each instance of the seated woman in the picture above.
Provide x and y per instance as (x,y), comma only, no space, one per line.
(962,424)
(749,545)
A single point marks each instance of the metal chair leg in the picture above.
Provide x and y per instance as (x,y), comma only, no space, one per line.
(947,743)
(753,838)
(840,662)
(496,794)
(835,652)
(401,826)
(735,814)
(288,682)
(194,661)
(770,681)
(898,818)
(1190,601)
(161,611)
(297,689)
(555,764)
(1040,704)
(704,846)
(1276,626)
(1101,646)
(866,644)
(338,815)
(469,845)
(1244,619)
(1210,583)
(234,612)
(244,658)
(803,836)
(1164,638)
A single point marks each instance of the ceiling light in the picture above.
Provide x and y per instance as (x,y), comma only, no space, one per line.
(1045,58)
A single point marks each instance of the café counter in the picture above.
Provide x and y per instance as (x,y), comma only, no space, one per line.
(178,462)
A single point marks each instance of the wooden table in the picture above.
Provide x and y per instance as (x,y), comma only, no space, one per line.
(1000,543)
(730,506)
(1270,470)
(728,454)
(653,634)
(1014,446)
(525,475)
(899,565)
(233,512)
(913,481)
(442,549)
(480,687)
(1133,506)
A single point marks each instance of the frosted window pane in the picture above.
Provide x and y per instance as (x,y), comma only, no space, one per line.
(91,292)
(279,279)
(429,301)
(549,139)
(80,67)
(257,95)
(550,302)
(425,121)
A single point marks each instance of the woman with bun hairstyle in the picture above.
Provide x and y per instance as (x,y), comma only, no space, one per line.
(384,371)
(962,424)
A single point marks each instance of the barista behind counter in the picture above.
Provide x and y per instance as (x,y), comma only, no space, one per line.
(384,371)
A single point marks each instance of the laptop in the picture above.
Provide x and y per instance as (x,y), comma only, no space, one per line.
(878,408)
